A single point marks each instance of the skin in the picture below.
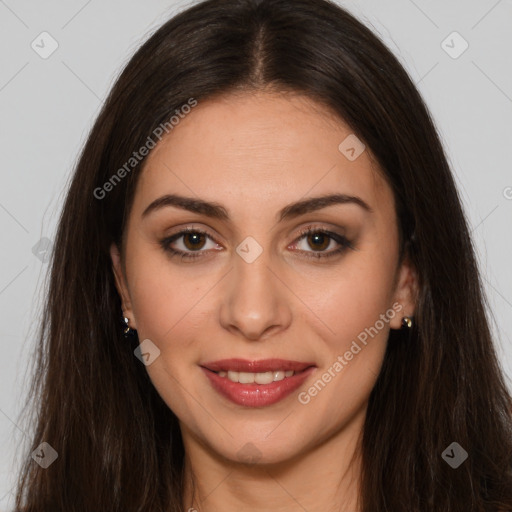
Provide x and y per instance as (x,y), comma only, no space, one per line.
(254,154)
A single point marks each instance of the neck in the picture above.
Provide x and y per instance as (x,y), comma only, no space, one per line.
(322,478)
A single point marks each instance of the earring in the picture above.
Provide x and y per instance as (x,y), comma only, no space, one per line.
(128,331)
(407,321)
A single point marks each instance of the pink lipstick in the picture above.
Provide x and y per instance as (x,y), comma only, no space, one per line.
(256,383)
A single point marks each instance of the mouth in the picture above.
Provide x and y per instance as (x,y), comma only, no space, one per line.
(262,371)
(256,383)
(258,378)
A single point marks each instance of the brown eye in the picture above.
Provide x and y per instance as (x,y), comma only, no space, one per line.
(190,244)
(194,240)
(319,241)
(315,241)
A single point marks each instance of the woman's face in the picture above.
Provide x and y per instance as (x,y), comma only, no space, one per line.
(253,288)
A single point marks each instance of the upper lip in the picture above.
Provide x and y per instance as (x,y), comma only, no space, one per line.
(261,365)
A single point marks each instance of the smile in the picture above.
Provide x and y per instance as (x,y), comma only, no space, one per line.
(258,378)
(256,383)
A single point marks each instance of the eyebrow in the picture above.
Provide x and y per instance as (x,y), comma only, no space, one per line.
(217,211)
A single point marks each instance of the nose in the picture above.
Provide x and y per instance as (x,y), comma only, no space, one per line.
(256,302)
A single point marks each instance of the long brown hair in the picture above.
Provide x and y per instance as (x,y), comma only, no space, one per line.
(119,445)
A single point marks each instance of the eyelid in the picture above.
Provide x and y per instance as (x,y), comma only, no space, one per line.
(317,229)
(183,231)
(340,239)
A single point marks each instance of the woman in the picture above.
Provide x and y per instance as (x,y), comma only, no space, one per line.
(263,291)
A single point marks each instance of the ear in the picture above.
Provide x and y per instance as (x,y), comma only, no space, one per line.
(121,286)
(406,292)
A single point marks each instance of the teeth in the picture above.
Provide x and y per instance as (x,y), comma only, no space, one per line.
(243,377)
(258,378)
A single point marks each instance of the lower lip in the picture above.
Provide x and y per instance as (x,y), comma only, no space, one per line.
(257,395)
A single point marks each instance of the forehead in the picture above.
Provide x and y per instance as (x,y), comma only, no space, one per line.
(259,150)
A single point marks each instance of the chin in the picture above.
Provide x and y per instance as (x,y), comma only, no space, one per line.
(257,453)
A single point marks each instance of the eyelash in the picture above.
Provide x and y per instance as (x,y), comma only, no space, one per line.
(340,239)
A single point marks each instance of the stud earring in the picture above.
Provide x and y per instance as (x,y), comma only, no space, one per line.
(128,331)
(407,321)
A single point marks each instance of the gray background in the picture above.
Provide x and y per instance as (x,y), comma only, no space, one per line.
(48,106)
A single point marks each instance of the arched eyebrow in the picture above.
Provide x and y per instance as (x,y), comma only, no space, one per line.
(217,211)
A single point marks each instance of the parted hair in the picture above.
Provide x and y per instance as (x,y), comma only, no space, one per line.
(119,445)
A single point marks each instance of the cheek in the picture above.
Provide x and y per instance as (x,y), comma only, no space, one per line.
(166,308)
(357,312)
(160,300)
(355,296)
(171,310)
(154,305)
